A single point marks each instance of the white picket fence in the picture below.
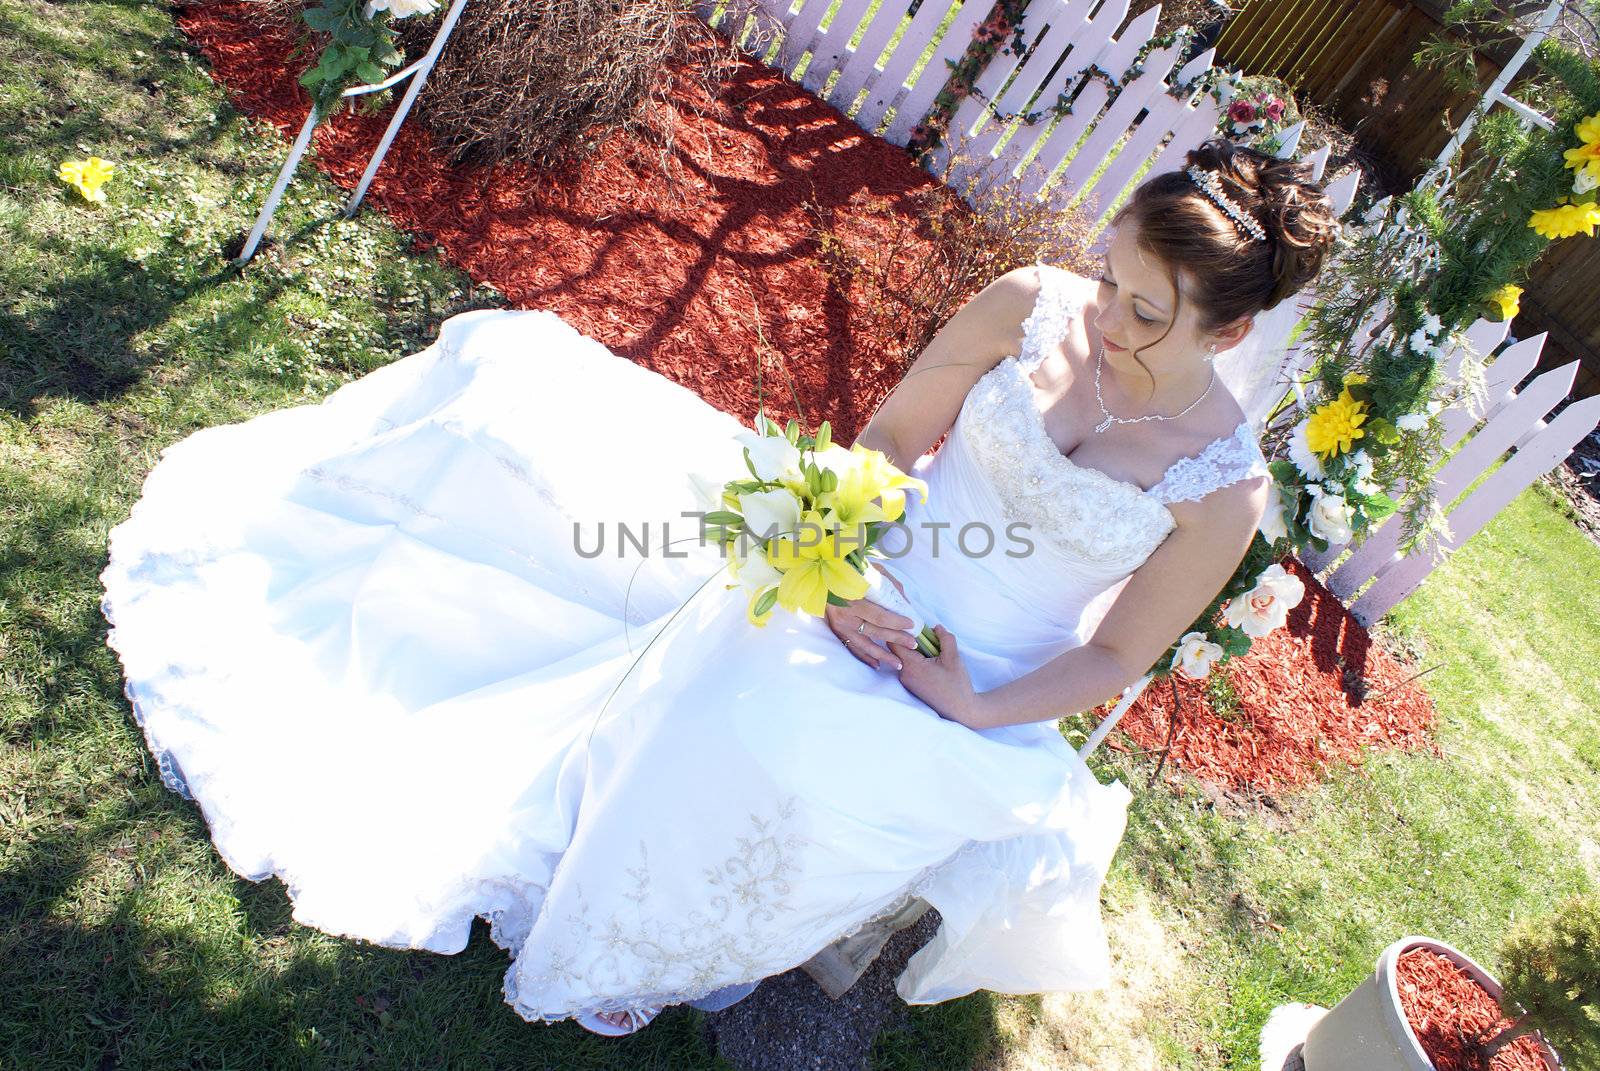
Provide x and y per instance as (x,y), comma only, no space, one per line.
(886,91)
(1374,574)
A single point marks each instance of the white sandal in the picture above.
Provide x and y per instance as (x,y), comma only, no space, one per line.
(637,1020)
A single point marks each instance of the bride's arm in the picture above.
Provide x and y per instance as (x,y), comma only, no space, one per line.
(1159,601)
(924,404)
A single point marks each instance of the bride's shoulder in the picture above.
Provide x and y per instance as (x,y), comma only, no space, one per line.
(1016,295)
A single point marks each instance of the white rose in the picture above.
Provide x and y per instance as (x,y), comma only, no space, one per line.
(1301,454)
(400,9)
(1412,422)
(1329,516)
(769,512)
(1265,606)
(1194,656)
(1583,182)
(774,457)
(1274,525)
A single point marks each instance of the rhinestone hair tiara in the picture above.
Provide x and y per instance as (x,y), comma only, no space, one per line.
(1211,186)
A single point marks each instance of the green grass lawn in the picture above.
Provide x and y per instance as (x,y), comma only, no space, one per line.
(125,942)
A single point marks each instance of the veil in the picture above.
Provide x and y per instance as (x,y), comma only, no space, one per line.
(1261,369)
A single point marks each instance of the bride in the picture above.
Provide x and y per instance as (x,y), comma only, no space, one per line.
(406,651)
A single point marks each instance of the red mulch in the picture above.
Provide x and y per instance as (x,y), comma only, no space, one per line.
(1301,704)
(698,277)
(1449,1011)
(672,274)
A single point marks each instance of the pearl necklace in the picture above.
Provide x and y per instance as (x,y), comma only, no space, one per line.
(1109,420)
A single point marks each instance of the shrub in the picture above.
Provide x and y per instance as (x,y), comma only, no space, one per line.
(1551,968)
(904,282)
(545,81)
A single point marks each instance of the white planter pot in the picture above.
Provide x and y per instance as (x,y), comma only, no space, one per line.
(1368,1030)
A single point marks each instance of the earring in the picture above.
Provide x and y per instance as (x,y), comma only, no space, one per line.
(1211,353)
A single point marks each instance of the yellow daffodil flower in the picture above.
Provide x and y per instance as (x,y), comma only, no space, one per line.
(87,176)
(813,564)
(1333,427)
(1508,297)
(1563,221)
(1586,157)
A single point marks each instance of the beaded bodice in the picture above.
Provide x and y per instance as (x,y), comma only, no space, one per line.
(1087,513)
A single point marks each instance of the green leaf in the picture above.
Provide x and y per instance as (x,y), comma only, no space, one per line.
(1382,430)
(1285,473)
(768,600)
(369,73)
(321,19)
(1378,506)
(722,516)
(834,600)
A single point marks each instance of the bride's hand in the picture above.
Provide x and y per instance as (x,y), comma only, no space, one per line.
(943,682)
(871,633)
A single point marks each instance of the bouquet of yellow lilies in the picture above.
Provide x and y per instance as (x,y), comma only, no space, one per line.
(801,531)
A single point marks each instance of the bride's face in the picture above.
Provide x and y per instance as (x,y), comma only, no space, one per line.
(1138,309)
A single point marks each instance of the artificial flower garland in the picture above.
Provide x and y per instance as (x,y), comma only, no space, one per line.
(1254,107)
(1371,434)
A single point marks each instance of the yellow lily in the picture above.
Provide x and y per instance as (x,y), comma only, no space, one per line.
(812,561)
(875,476)
(87,176)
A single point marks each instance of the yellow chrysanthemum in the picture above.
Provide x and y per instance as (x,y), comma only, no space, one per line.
(87,176)
(1563,221)
(1333,427)
(1508,297)
(1586,157)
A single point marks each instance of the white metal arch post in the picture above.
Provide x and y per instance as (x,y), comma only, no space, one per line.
(417,72)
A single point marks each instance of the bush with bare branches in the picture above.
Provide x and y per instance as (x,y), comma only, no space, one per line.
(905,274)
(545,81)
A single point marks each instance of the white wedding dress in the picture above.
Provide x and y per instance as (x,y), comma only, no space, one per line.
(362,637)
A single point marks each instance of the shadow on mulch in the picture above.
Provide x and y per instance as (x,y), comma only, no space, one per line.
(694,266)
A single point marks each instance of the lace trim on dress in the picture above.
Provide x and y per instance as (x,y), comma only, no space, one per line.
(1225,461)
(1089,514)
(1046,324)
(687,961)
